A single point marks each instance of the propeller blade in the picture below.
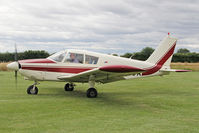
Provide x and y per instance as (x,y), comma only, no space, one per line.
(16,59)
(16,79)
(16,55)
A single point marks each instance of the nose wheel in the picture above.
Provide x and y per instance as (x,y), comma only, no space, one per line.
(32,90)
(69,87)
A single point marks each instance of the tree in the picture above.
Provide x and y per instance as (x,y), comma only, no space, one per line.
(30,54)
(143,55)
(127,55)
(183,51)
(147,51)
(5,57)
(115,54)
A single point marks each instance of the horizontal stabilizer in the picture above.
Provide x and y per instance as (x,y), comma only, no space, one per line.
(175,70)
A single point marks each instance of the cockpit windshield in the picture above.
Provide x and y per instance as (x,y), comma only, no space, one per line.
(58,57)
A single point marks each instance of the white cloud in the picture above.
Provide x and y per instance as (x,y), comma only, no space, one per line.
(114,26)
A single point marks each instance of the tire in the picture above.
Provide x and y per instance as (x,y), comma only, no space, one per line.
(91,93)
(68,87)
(31,91)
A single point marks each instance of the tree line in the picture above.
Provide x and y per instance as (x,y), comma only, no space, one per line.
(30,54)
(182,55)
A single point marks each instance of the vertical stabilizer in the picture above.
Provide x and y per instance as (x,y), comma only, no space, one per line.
(164,52)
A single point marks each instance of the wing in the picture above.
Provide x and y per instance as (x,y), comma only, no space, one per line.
(104,74)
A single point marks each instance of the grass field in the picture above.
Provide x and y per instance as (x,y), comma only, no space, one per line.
(148,105)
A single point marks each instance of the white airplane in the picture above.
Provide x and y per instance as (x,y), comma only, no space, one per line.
(89,67)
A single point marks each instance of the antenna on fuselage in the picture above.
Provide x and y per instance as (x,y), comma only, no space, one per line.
(131,56)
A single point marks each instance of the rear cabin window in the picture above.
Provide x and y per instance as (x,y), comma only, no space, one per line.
(74,58)
(91,59)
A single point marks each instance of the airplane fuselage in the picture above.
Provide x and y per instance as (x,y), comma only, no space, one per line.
(49,70)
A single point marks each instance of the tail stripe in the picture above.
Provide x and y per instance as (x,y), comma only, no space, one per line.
(161,62)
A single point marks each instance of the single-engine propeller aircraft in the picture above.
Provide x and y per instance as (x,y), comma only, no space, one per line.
(89,67)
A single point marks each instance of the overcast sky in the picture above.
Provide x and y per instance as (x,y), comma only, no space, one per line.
(108,26)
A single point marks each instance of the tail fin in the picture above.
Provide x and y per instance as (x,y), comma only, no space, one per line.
(163,53)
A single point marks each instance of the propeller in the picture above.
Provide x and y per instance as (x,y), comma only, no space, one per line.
(15,66)
(16,60)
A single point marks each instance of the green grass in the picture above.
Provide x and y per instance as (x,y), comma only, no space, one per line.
(168,104)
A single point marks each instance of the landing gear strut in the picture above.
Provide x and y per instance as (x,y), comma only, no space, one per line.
(32,90)
(91,92)
(69,87)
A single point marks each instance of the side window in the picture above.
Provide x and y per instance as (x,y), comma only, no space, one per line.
(91,59)
(74,58)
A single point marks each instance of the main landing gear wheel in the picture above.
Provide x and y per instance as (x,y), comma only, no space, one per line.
(32,90)
(69,87)
(91,93)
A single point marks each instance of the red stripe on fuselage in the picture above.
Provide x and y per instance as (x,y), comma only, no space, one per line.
(37,61)
(161,62)
(57,69)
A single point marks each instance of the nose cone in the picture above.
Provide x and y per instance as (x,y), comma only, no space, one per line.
(13,66)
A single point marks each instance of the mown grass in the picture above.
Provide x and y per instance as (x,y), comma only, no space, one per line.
(148,105)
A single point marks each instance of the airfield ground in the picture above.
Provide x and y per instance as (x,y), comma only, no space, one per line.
(149,105)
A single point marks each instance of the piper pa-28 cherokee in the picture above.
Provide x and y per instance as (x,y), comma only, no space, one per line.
(84,66)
